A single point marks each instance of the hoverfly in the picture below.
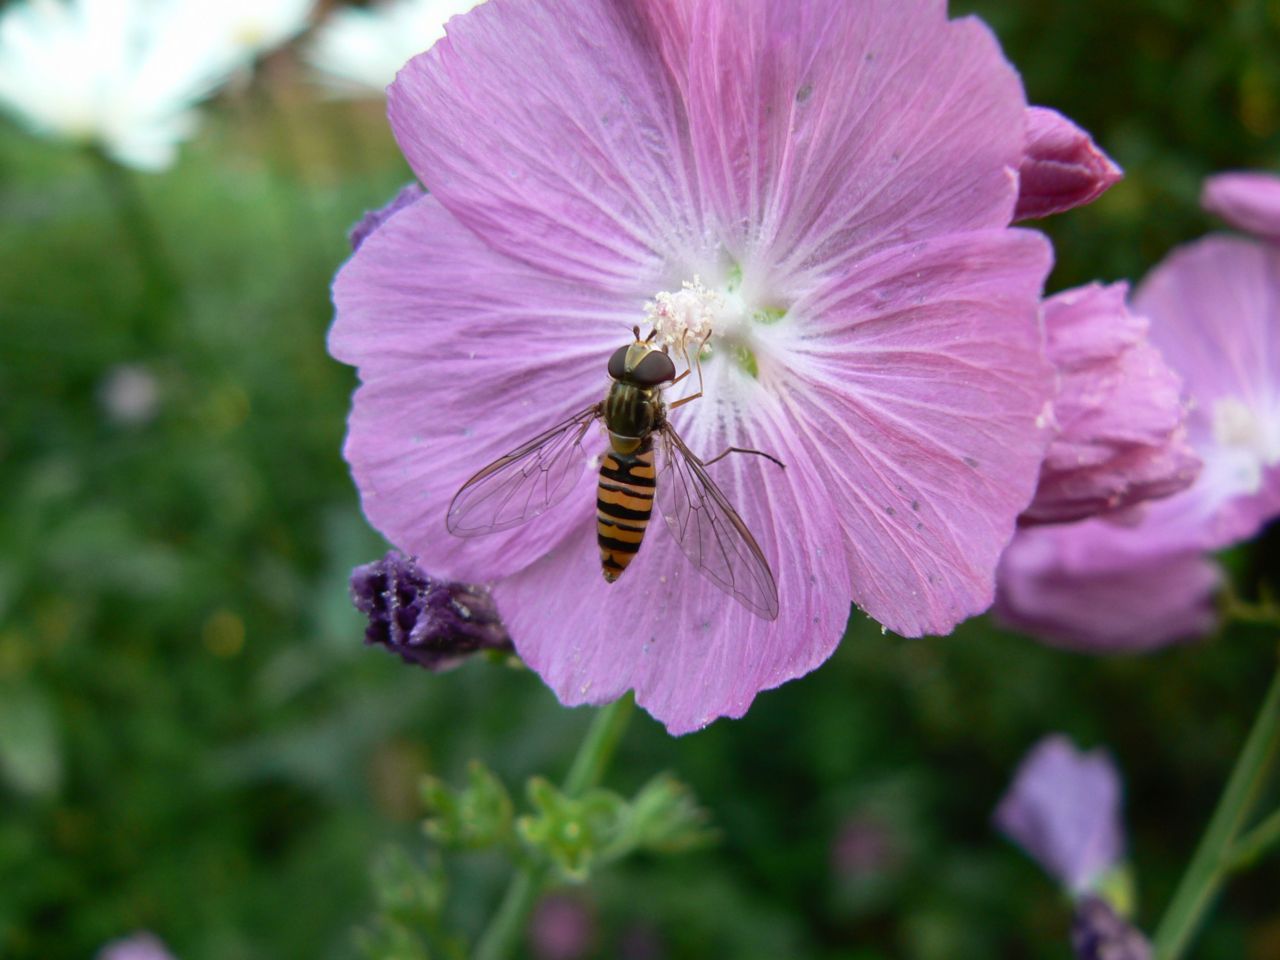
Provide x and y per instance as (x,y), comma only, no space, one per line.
(540,473)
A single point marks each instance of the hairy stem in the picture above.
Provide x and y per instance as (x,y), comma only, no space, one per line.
(596,750)
(1214,858)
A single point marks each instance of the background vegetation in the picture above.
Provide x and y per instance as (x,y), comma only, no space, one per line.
(194,741)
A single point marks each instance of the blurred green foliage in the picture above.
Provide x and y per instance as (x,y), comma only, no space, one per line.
(194,741)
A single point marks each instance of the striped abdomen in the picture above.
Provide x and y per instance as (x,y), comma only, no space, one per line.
(624,502)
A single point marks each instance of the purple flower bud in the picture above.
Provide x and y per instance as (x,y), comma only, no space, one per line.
(1119,412)
(1247,201)
(1063,809)
(1061,168)
(1098,933)
(433,623)
(373,219)
(138,946)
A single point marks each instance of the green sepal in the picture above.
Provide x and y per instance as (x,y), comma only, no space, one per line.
(1118,887)
(475,817)
(387,940)
(572,832)
(665,818)
(579,834)
(406,892)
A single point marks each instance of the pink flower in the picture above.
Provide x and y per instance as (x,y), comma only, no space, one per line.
(1063,167)
(1118,412)
(1247,201)
(840,177)
(1143,581)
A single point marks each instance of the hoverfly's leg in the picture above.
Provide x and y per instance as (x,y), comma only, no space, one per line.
(758,453)
(697,362)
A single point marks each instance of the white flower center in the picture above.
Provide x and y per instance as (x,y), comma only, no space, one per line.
(687,317)
(1247,444)
(699,320)
(250,33)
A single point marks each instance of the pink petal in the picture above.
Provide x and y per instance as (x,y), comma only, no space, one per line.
(690,653)
(1063,167)
(921,398)
(1088,587)
(1118,412)
(550,128)
(464,354)
(824,130)
(664,120)
(1248,201)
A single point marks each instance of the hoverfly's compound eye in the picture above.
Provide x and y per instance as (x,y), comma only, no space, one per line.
(618,363)
(655,368)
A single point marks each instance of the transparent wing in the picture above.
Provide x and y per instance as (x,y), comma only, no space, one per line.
(710,532)
(528,481)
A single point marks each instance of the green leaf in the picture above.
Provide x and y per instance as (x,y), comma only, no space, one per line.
(407,892)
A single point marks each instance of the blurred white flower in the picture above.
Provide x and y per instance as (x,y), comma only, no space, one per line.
(129,394)
(120,74)
(253,27)
(357,52)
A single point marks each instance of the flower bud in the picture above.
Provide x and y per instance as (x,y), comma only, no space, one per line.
(430,622)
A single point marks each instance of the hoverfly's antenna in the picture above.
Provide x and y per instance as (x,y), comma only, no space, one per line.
(636,331)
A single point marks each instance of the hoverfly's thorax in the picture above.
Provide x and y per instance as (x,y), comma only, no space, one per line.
(630,412)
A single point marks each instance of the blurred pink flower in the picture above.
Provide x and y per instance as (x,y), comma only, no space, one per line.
(1063,809)
(1063,167)
(562,927)
(1068,587)
(1247,201)
(137,946)
(841,178)
(1142,580)
(1118,412)
(865,847)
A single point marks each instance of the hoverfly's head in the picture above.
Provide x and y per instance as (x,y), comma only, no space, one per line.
(642,364)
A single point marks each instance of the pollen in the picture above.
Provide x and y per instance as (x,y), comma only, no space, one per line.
(685,317)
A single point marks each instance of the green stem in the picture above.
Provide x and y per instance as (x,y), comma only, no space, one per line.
(1211,864)
(158,275)
(1249,848)
(598,746)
